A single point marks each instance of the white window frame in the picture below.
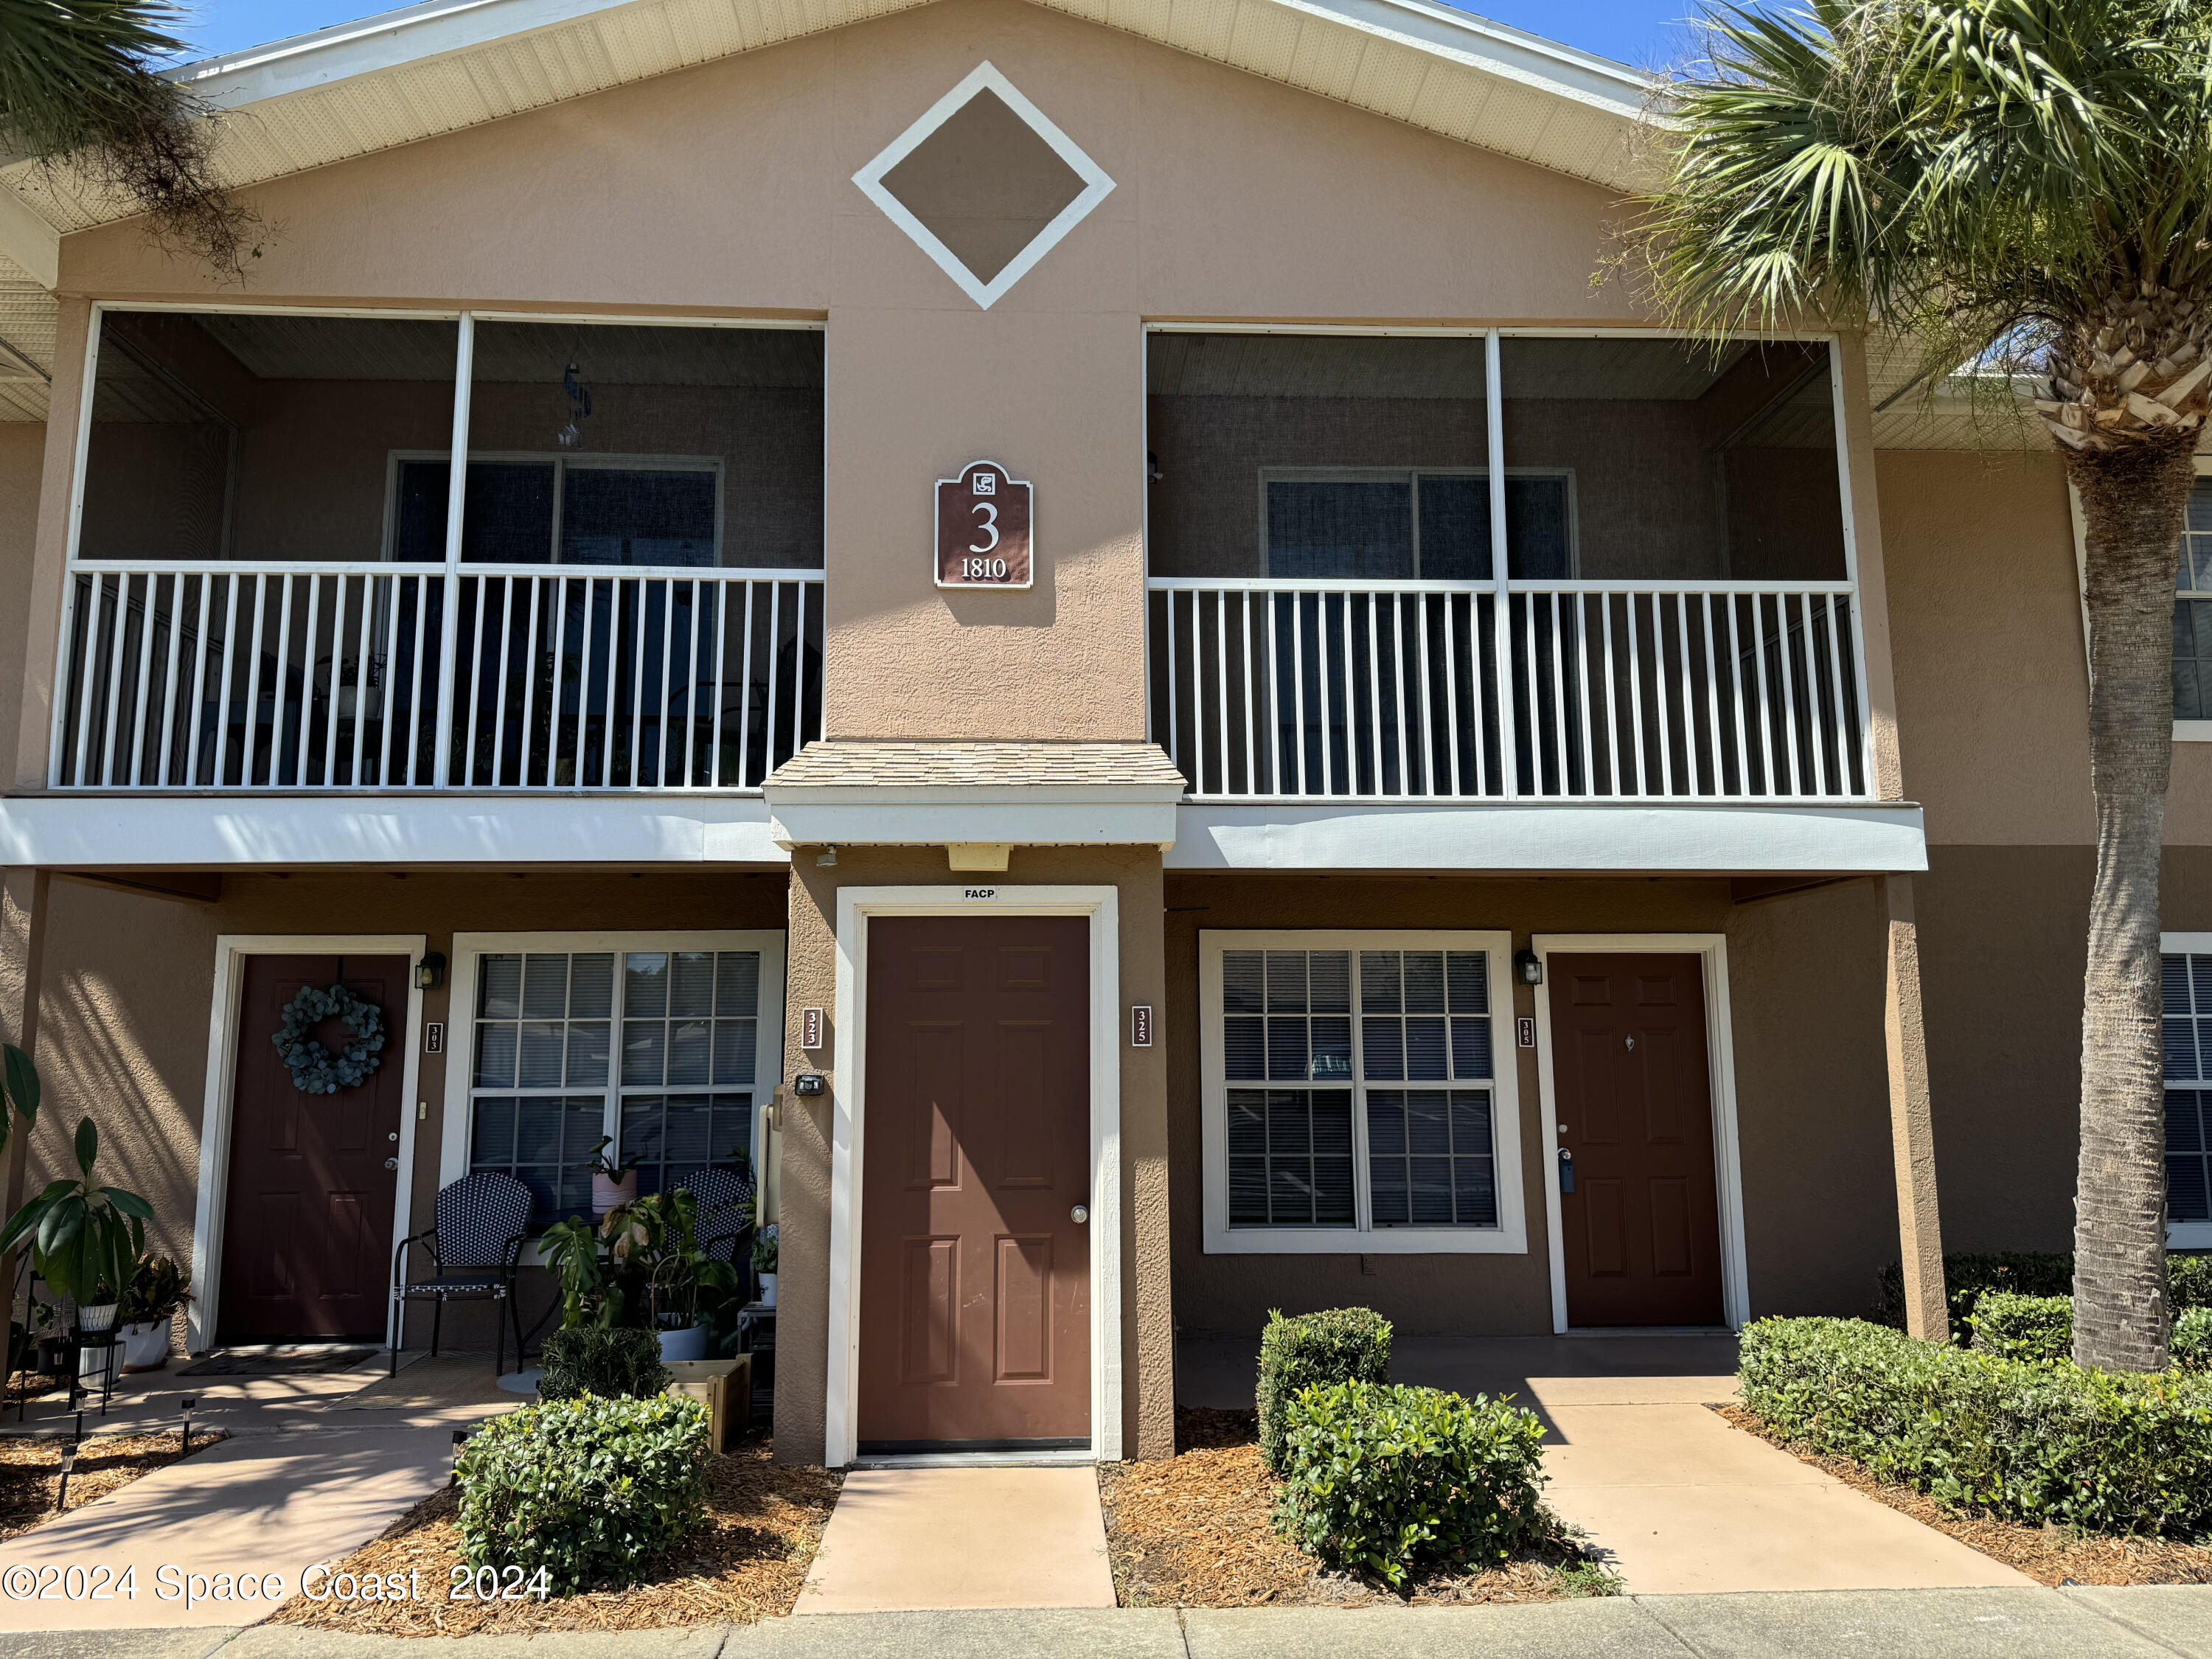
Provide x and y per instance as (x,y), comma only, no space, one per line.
(470,950)
(561,460)
(2184,730)
(1509,1237)
(2191,1235)
(1412,476)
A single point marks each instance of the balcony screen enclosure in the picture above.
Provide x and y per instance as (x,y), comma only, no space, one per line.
(1650,598)
(275,587)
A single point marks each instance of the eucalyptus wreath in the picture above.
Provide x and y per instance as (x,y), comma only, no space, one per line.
(315,1070)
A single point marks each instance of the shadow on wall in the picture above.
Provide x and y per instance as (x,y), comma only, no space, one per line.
(123,1041)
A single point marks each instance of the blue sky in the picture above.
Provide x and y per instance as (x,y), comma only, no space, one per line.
(1644,33)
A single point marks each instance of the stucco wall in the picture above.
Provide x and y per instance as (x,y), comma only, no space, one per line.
(22,449)
(129,978)
(1805,980)
(1148,1317)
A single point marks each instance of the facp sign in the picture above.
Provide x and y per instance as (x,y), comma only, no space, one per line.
(983,528)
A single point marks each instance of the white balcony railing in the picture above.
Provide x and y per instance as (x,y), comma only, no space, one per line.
(1716,690)
(246,676)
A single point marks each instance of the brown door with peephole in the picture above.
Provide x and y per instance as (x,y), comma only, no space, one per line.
(976,1173)
(1641,1230)
(306,1235)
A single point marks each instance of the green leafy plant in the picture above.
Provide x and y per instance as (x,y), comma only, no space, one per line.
(2188,1283)
(766,1248)
(590,1490)
(2039,1329)
(1339,1344)
(1390,1480)
(640,1266)
(2105,1451)
(1969,1275)
(154,1293)
(2192,1339)
(615,1364)
(603,1162)
(19,1090)
(86,1238)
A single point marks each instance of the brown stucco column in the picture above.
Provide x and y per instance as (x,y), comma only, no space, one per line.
(802,1153)
(1147,1263)
(1912,1127)
(23,912)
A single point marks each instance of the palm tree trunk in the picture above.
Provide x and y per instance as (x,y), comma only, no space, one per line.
(2134,500)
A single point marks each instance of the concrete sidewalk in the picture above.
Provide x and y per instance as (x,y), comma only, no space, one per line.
(2164,1622)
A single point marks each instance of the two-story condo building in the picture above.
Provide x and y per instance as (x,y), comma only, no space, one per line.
(1098,577)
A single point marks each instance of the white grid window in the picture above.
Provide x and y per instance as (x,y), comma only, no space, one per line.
(2188,1044)
(660,1045)
(1351,1092)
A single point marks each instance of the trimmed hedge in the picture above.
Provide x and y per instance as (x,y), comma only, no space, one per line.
(1395,1479)
(615,1364)
(1314,1349)
(2192,1339)
(588,1489)
(2105,1451)
(1969,1276)
(2039,1329)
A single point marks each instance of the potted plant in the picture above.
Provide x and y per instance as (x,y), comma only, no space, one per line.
(86,1238)
(613,1183)
(640,1266)
(764,1250)
(155,1292)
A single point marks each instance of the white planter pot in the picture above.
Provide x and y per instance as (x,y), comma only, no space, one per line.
(768,1290)
(606,1195)
(684,1344)
(99,1317)
(146,1347)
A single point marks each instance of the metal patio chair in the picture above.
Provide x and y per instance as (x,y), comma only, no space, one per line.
(722,1226)
(484,1221)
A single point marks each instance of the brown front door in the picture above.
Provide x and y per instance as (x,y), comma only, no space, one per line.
(307,1237)
(974,1275)
(1641,1227)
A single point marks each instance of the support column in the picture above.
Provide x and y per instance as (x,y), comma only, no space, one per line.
(22,962)
(1912,1125)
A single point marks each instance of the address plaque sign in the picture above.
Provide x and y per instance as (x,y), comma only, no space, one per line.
(983,528)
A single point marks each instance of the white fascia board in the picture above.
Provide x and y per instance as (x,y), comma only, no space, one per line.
(202,832)
(881,818)
(28,240)
(1513,54)
(1554,836)
(391,40)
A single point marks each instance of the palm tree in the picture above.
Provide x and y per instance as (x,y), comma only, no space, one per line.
(2022,186)
(78,87)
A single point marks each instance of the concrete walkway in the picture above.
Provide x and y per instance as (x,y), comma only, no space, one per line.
(316,1465)
(1681,1501)
(945,1538)
(2156,1623)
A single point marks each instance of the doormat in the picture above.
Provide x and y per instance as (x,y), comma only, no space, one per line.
(277,1362)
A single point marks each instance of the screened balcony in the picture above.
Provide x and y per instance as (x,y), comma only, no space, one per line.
(277,585)
(1497,566)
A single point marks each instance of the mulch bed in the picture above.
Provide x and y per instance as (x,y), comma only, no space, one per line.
(31,1470)
(764,1520)
(2049,1555)
(1195,1532)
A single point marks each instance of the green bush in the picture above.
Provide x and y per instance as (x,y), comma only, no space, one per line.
(1968,1277)
(1395,1479)
(1314,1349)
(588,1489)
(2192,1339)
(2035,1329)
(615,1364)
(2109,1452)
(2188,1282)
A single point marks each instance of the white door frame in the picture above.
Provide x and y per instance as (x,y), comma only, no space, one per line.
(231,951)
(856,907)
(1711,949)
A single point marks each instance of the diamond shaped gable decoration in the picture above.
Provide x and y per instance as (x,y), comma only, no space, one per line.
(985,184)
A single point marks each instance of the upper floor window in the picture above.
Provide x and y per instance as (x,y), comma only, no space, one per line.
(1432,524)
(1354,1097)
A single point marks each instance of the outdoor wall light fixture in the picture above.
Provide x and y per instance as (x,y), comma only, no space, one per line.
(826,859)
(430,972)
(1528,967)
